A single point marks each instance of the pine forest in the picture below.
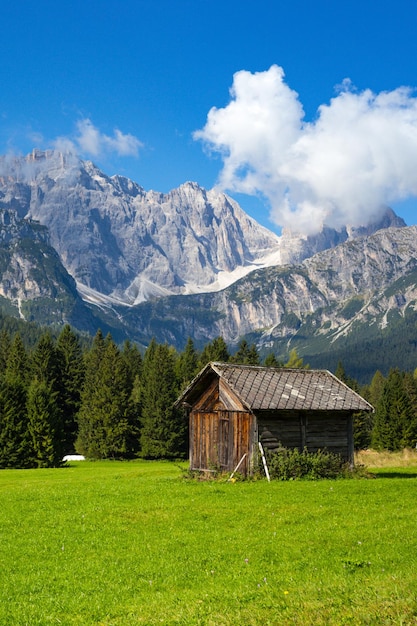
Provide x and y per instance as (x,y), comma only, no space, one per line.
(68,394)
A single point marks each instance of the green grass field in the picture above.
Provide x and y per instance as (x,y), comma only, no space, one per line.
(134,543)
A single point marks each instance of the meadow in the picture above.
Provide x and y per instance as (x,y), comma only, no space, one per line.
(112,543)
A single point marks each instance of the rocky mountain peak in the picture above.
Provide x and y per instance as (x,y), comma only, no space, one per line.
(295,247)
(121,242)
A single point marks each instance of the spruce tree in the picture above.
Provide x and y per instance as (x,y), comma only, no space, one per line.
(295,361)
(216,350)
(106,428)
(375,388)
(410,429)
(16,449)
(187,364)
(272,361)
(133,359)
(44,361)
(5,346)
(246,354)
(120,426)
(89,423)
(18,361)
(392,415)
(70,367)
(163,429)
(340,372)
(363,420)
(44,424)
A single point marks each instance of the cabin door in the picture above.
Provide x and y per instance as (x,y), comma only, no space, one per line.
(219,439)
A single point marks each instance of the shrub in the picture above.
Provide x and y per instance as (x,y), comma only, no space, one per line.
(290,464)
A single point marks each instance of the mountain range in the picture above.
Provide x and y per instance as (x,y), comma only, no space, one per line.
(77,245)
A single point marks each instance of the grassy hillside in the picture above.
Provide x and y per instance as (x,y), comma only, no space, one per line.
(134,543)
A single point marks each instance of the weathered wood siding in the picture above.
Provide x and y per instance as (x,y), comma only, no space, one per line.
(284,431)
(313,431)
(219,436)
(328,431)
(219,439)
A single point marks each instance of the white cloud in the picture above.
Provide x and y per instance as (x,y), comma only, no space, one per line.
(90,141)
(358,155)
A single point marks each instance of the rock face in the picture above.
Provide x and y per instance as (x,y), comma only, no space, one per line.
(295,248)
(34,285)
(362,281)
(119,241)
(189,263)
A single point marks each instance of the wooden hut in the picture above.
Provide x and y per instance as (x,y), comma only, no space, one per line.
(233,407)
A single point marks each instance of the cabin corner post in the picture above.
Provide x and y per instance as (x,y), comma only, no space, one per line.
(190,437)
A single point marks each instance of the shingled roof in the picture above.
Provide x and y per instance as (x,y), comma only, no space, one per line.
(268,388)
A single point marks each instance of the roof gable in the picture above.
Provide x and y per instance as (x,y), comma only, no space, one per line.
(267,388)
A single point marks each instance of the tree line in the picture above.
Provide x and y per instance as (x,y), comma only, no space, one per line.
(393,425)
(62,395)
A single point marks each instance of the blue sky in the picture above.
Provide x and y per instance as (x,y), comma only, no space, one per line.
(130,84)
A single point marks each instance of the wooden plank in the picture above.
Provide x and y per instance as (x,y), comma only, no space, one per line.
(242,438)
(209,399)
(228,398)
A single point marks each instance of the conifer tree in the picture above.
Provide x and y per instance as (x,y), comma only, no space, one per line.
(106,428)
(340,372)
(44,361)
(187,364)
(16,448)
(246,355)
(216,350)
(133,359)
(362,429)
(121,429)
(163,429)
(5,346)
(18,361)
(139,382)
(375,388)
(410,430)
(70,368)
(89,423)
(392,415)
(272,361)
(295,361)
(363,420)
(44,424)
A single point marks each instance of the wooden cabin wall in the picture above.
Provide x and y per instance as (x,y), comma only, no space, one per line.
(219,439)
(313,431)
(330,432)
(284,430)
(221,431)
